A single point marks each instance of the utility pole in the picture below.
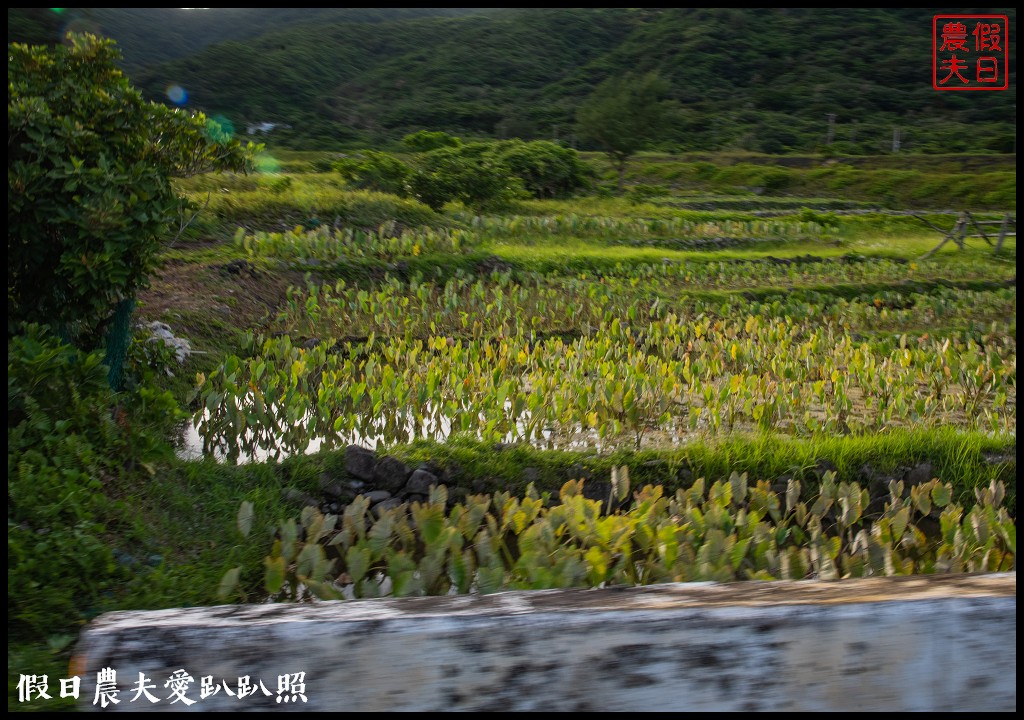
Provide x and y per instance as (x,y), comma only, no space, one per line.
(895,139)
(831,128)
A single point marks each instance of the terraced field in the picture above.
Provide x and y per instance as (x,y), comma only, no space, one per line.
(650,328)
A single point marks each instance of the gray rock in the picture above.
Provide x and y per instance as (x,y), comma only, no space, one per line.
(125,559)
(877,484)
(781,486)
(294,495)
(420,482)
(918,475)
(161,332)
(336,489)
(578,472)
(238,267)
(377,496)
(822,466)
(531,475)
(451,475)
(390,474)
(484,485)
(326,480)
(359,462)
(597,490)
(997,458)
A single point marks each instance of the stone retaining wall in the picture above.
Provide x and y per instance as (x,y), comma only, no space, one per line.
(388,482)
(926,643)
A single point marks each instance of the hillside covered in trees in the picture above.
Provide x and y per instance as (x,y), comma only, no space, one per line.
(148,36)
(748,80)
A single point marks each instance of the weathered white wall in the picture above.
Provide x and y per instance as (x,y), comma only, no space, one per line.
(888,644)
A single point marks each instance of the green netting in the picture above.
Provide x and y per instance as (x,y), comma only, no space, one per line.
(119,335)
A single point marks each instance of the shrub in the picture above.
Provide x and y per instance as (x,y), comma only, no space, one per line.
(467,174)
(312,205)
(546,170)
(373,170)
(69,443)
(89,193)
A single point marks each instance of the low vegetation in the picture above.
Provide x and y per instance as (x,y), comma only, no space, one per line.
(724,531)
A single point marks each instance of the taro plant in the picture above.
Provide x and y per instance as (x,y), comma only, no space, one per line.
(619,383)
(725,530)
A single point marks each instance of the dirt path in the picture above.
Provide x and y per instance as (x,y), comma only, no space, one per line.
(198,299)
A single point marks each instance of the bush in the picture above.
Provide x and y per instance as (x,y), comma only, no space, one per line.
(373,170)
(89,193)
(546,170)
(467,174)
(69,444)
(481,175)
(724,531)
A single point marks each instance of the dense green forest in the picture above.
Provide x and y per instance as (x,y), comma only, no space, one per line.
(147,36)
(754,80)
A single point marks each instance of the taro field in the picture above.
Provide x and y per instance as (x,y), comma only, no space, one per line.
(605,326)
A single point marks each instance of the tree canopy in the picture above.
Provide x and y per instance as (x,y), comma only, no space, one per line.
(760,80)
(479,174)
(624,115)
(89,195)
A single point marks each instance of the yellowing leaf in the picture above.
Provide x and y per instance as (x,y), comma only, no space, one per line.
(228,583)
(274,577)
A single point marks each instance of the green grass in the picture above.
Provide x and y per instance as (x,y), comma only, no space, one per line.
(180,542)
(941,163)
(278,202)
(548,254)
(39,658)
(901,182)
(957,457)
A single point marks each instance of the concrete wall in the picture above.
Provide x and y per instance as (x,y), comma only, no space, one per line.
(885,644)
